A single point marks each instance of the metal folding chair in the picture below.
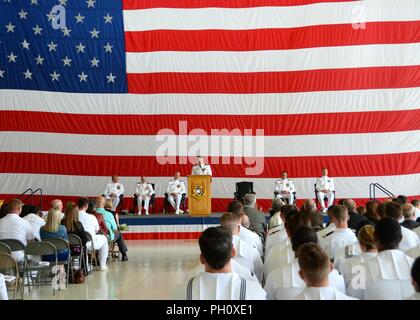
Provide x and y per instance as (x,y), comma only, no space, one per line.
(60,245)
(4,248)
(9,266)
(74,240)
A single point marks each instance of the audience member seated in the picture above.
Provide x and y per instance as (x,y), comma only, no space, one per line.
(315,268)
(218,282)
(73,225)
(108,207)
(387,274)
(54,229)
(416,205)
(371,211)
(113,233)
(33,215)
(246,255)
(12,226)
(3,210)
(409,238)
(368,251)
(245,221)
(257,220)
(275,219)
(354,217)
(92,210)
(330,227)
(409,213)
(415,278)
(237,208)
(361,210)
(341,236)
(57,205)
(284,282)
(90,223)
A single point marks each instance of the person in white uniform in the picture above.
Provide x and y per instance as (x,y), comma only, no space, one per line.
(114,190)
(91,225)
(34,220)
(246,255)
(416,205)
(368,251)
(12,226)
(415,277)
(237,208)
(200,168)
(315,267)
(218,282)
(284,282)
(342,236)
(409,237)
(175,189)
(284,189)
(144,192)
(387,275)
(325,187)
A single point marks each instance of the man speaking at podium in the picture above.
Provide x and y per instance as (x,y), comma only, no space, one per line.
(200,168)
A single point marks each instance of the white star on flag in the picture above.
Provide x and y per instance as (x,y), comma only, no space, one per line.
(91,3)
(94,62)
(39,60)
(108,18)
(12,57)
(2,73)
(80,47)
(25,44)
(10,27)
(37,30)
(108,47)
(35,2)
(94,33)
(63,2)
(27,74)
(50,16)
(52,46)
(22,14)
(66,32)
(83,77)
(66,61)
(79,18)
(54,76)
(111,78)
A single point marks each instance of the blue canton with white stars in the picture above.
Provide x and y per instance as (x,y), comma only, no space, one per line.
(85,55)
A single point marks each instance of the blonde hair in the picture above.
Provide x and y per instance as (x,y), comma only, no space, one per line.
(53,220)
(365,237)
(108,203)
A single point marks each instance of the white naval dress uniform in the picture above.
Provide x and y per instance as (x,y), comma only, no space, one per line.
(248,256)
(278,256)
(251,238)
(346,253)
(285,185)
(323,293)
(144,192)
(387,277)
(409,240)
(284,282)
(413,252)
(417,231)
(117,189)
(340,238)
(349,269)
(223,286)
(201,170)
(178,187)
(275,239)
(325,183)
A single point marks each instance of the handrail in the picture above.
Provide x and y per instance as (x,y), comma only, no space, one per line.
(372,190)
(40,194)
(31,195)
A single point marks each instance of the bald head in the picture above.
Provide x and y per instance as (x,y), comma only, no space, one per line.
(100,202)
(409,212)
(309,205)
(350,205)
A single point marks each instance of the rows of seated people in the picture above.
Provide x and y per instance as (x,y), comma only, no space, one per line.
(369,254)
(90,219)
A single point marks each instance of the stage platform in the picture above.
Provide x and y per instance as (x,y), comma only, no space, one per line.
(169,226)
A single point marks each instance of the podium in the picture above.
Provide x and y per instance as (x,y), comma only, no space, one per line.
(199,195)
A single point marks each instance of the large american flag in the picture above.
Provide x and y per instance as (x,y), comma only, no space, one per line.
(332,83)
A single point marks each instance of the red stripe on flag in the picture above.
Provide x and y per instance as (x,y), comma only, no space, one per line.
(294,124)
(298,167)
(271,82)
(273,39)
(148,4)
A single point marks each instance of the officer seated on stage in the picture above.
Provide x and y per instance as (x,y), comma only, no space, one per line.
(115,191)
(285,189)
(144,192)
(175,189)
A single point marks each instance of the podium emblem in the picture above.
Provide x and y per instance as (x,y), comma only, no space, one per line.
(198,191)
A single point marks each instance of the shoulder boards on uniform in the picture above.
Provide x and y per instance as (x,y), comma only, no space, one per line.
(328,234)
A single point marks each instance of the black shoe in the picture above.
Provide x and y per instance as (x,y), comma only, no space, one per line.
(124,258)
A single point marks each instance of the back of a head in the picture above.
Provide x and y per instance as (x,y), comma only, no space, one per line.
(366,237)
(56,204)
(216,247)
(108,204)
(14,205)
(229,221)
(415,203)
(408,210)
(380,210)
(363,223)
(53,220)
(236,207)
(276,205)
(402,199)
(415,274)
(27,209)
(294,221)
(250,199)
(309,206)
(289,209)
(313,262)
(3,210)
(393,210)
(350,205)
(303,235)
(388,233)
(91,206)
(71,217)
(82,203)
(340,213)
